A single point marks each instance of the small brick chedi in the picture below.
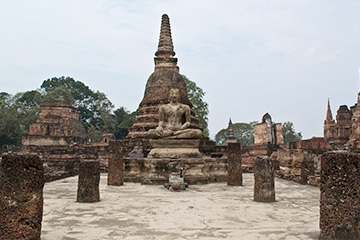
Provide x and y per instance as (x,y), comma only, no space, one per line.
(21,196)
(340,196)
(88,183)
(264,186)
(58,124)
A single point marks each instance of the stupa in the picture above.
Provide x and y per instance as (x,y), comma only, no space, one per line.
(165,77)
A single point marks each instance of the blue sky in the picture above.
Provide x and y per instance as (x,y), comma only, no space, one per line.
(250,57)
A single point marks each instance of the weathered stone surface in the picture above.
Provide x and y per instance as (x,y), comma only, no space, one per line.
(268,132)
(264,185)
(234,165)
(340,196)
(302,166)
(157,171)
(174,148)
(21,196)
(58,124)
(116,163)
(88,183)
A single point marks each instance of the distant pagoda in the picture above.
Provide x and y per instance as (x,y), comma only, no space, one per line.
(230,138)
(165,77)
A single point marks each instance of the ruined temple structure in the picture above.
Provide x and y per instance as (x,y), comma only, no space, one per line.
(268,132)
(165,77)
(344,133)
(58,125)
(230,137)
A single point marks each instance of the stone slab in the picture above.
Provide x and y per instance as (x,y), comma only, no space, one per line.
(234,165)
(88,182)
(340,195)
(264,185)
(21,196)
(174,148)
(213,211)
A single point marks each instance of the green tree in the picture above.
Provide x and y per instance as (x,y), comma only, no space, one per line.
(244,132)
(200,107)
(10,121)
(60,92)
(124,120)
(94,107)
(289,132)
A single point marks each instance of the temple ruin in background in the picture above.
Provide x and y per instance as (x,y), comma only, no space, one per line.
(57,125)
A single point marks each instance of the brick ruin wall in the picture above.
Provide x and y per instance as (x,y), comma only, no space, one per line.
(298,161)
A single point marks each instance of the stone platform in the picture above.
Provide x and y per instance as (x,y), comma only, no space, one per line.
(157,171)
(174,148)
(213,211)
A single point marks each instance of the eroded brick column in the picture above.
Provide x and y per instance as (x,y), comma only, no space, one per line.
(340,196)
(21,196)
(264,186)
(234,165)
(88,183)
(116,163)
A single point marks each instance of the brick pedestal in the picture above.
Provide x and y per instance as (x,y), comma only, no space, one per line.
(234,165)
(340,196)
(88,183)
(21,196)
(116,164)
(264,186)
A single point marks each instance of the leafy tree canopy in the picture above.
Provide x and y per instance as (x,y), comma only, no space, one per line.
(244,132)
(289,132)
(200,107)
(91,105)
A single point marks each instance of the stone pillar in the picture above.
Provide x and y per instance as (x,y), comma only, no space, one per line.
(21,196)
(340,195)
(234,165)
(88,183)
(264,186)
(116,163)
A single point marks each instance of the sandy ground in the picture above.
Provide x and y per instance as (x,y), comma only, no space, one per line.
(213,211)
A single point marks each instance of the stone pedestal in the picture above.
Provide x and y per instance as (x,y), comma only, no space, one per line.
(234,165)
(157,171)
(264,187)
(21,196)
(174,148)
(88,183)
(116,163)
(340,196)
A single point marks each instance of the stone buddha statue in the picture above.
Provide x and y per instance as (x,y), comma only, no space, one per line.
(174,120)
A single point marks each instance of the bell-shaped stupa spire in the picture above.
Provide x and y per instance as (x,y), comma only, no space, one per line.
(166,47)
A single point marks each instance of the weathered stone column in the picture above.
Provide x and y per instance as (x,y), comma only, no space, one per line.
(264,186)
(21,196)
(234,165)
(88,183)
(116,163)
(340,195)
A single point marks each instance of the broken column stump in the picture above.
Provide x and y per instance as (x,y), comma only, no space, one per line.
(234,165)
(21,196)
(88,183)
(340,195)
(264,186)
(116,164)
